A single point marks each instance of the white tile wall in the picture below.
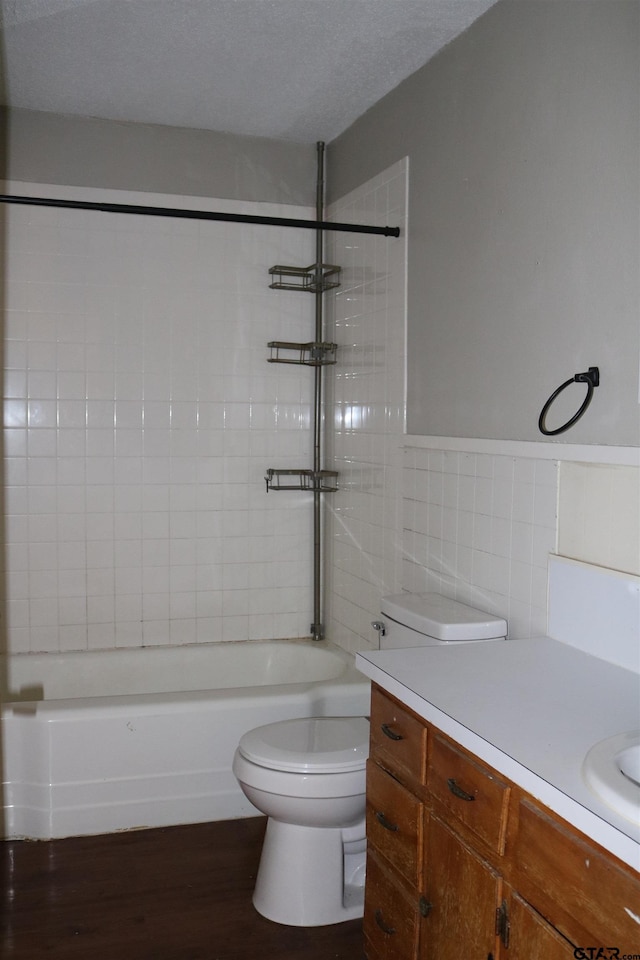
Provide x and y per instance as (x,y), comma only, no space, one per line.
(480,528)
(140,416)
(366,404)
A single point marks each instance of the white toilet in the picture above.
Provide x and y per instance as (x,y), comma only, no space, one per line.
(308,777)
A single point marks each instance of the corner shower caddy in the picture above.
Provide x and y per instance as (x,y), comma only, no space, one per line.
(316,279)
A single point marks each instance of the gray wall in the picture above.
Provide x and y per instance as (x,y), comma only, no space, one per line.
(524,147)
(87,152)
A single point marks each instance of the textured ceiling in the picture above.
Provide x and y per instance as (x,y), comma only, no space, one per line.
(300,70)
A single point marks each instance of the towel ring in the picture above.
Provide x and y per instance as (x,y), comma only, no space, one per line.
(592,378)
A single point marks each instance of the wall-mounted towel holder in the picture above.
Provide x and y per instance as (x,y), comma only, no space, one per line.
(592,378)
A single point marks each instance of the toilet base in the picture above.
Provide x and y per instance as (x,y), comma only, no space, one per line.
(311,876)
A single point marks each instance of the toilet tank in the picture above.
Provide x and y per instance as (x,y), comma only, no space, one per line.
(428,619)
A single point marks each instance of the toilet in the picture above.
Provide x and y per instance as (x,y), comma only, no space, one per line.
(308,776)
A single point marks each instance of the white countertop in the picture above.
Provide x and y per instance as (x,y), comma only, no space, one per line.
(529,708)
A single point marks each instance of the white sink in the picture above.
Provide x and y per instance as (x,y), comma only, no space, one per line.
(611,770)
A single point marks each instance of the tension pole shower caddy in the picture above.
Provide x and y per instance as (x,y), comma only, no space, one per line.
(315,279)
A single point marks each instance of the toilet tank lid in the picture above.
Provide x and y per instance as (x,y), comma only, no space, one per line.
(442,618)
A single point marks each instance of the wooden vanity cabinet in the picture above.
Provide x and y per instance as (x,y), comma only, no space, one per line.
(463,863)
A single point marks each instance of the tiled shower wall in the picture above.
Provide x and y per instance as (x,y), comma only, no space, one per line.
(366,404)
(140,416)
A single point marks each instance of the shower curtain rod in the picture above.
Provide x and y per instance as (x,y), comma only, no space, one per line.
(200,215)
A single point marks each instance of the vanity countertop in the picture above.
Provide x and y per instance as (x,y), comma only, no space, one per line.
(529,708)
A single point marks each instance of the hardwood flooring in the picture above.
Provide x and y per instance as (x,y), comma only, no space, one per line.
(178,893)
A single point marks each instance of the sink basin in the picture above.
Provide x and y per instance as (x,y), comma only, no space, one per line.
(611,770)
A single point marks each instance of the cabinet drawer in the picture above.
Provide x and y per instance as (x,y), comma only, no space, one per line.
(390,918)
(469,793)
(398,738)
(394,823)
(580,888)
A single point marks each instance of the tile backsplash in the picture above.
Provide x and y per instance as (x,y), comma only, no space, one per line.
(140,417)
(479,528)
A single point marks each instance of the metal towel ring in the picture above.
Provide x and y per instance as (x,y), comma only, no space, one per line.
(592,378)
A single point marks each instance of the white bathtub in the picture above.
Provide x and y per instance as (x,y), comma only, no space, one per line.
(115,740)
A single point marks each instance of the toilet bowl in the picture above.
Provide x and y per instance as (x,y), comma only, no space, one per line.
(308,777)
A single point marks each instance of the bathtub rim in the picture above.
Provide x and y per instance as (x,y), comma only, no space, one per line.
(190,699)
(25,703)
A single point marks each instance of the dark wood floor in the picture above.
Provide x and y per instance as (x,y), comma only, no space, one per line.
(180,893)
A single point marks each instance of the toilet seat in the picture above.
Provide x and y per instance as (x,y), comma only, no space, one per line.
(309,745)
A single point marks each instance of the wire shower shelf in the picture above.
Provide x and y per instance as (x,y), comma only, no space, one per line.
(308,354)
(317,481)
(315,278)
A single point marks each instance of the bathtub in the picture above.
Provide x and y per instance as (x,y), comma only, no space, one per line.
(95,742)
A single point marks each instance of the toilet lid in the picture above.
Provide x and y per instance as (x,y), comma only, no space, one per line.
(310,745)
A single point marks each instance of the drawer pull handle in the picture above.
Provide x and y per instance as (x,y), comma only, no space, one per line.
(380,817)
(388,732)
(458,791)
(383,926)
(424,907)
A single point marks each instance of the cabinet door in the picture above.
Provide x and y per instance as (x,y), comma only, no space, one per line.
(531,937)
(463,893)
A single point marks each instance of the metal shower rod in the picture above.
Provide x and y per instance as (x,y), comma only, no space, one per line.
(200,215)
